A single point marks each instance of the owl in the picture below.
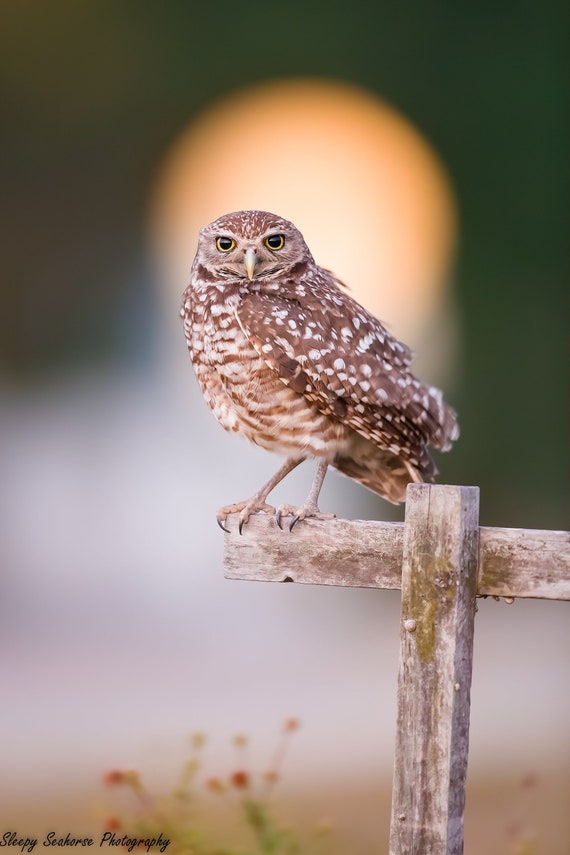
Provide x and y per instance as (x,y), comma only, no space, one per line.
(287,358)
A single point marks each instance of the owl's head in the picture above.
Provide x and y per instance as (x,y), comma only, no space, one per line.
(250,244)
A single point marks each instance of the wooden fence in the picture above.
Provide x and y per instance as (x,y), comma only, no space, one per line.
(442,560)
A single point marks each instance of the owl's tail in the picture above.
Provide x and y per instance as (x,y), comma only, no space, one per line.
(384,473)
(389,474)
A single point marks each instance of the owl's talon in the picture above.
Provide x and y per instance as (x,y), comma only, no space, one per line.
(307,511)
(221,520)
(245,510)
(293,521)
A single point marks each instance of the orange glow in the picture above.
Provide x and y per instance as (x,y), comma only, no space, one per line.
(369,194)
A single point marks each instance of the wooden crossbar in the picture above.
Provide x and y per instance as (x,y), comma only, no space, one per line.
(513,562)
(442,560)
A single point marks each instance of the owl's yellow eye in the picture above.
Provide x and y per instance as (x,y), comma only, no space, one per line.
(225,244)
(274,242)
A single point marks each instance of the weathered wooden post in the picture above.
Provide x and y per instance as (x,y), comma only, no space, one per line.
(442,560)
(439,592)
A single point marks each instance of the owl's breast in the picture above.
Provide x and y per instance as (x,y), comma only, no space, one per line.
(247,396)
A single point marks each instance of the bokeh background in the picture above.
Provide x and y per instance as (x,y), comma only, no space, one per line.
(127,125)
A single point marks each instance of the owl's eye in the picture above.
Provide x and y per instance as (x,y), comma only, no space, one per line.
(225,244)
(275,242)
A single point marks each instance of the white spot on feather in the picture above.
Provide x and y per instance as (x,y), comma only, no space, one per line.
(365,342)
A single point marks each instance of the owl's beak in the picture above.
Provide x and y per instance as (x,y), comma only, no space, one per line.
(250,260)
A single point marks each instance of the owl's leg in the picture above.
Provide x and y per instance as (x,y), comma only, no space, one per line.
(257,502)
(310,507)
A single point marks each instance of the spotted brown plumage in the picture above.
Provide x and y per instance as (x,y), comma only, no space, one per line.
(285,357)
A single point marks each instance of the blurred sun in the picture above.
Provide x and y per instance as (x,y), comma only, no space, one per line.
(369,194)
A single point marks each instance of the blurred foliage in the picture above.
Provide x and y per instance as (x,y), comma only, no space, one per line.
(173,823)
(93,93)
(178,824)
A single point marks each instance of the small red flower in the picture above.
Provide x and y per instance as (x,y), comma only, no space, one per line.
(292,724)
(112,823)
(240,780)
(114,777)
(118,777)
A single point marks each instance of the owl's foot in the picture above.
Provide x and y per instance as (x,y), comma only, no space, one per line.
(245,510)
(308,509)
(257,502)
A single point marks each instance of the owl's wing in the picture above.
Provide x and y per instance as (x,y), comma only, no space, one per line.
(341,358)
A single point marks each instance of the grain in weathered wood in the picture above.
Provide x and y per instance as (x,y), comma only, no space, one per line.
(338,552)
(439,579)
(524,562)
(368,554)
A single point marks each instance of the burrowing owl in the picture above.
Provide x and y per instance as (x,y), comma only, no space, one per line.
(289,360)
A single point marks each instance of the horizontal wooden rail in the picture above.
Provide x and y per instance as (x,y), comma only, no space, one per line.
(513,562)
